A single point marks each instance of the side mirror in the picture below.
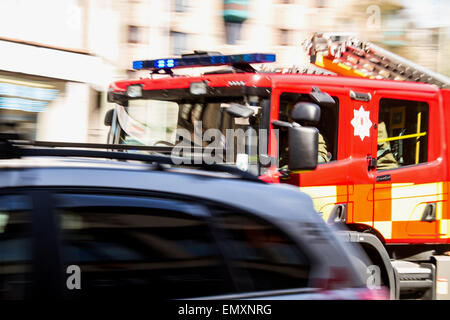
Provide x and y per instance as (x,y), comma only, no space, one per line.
(306,111)
(109,117)
(303,148)
(239,111)
(322,98)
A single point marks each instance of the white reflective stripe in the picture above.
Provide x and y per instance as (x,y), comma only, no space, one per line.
(408,190)
(440,197)
(409,200)
(444,228)
(320,191)
(324,198)
(384,227)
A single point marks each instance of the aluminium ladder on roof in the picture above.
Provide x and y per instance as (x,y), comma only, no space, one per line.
(348,55)
(310,69)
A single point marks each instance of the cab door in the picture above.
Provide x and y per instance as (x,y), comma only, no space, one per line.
(361,135)
(327,184)
(409,180)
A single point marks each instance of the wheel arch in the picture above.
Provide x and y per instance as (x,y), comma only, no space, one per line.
(376,252)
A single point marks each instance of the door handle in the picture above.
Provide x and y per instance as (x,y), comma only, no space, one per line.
(429,213)
(371,163)
(338,214)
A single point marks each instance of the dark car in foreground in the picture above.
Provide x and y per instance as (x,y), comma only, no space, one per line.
(75,227)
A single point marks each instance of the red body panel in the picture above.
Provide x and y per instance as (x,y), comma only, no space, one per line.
(379,205)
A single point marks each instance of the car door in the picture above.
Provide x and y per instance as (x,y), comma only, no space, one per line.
(361,135)
(286,259)
(260,256)
(409,183)
(28,251)
(130,245)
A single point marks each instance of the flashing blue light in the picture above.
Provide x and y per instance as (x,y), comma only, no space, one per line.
(160,64)
(137,65)
(170,63)
(203,61)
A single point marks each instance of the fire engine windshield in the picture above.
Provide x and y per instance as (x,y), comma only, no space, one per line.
(148,122)
(155,122)
(162,123)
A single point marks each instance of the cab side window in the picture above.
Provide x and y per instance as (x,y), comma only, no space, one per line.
(402,133)
(327,126)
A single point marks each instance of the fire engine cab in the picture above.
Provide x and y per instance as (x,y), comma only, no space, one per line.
(364,132)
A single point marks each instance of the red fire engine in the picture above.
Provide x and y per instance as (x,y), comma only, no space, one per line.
(372,153)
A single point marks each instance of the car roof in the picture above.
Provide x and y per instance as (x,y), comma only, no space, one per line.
(195,183)
(282,205)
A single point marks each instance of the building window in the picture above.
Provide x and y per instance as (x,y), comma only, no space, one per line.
(321,3)
(235,13)
(180,5)
(131,74)
(21,102)
(178,42)
(233,32)
(133,34)
(402,133)
(285,37)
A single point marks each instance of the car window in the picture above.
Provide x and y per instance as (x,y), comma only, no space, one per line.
(143,251)
(262,253)
(15,247)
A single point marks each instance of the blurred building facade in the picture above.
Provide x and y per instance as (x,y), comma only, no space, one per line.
(57,59)
(60,56)
(167,28)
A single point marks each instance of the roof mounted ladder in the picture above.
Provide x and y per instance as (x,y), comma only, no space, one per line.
(350,56)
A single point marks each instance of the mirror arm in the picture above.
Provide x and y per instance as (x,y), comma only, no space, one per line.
(321,98)
(283,124)
(284,173)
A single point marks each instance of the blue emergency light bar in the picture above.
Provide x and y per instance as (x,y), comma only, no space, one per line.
(203,61)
